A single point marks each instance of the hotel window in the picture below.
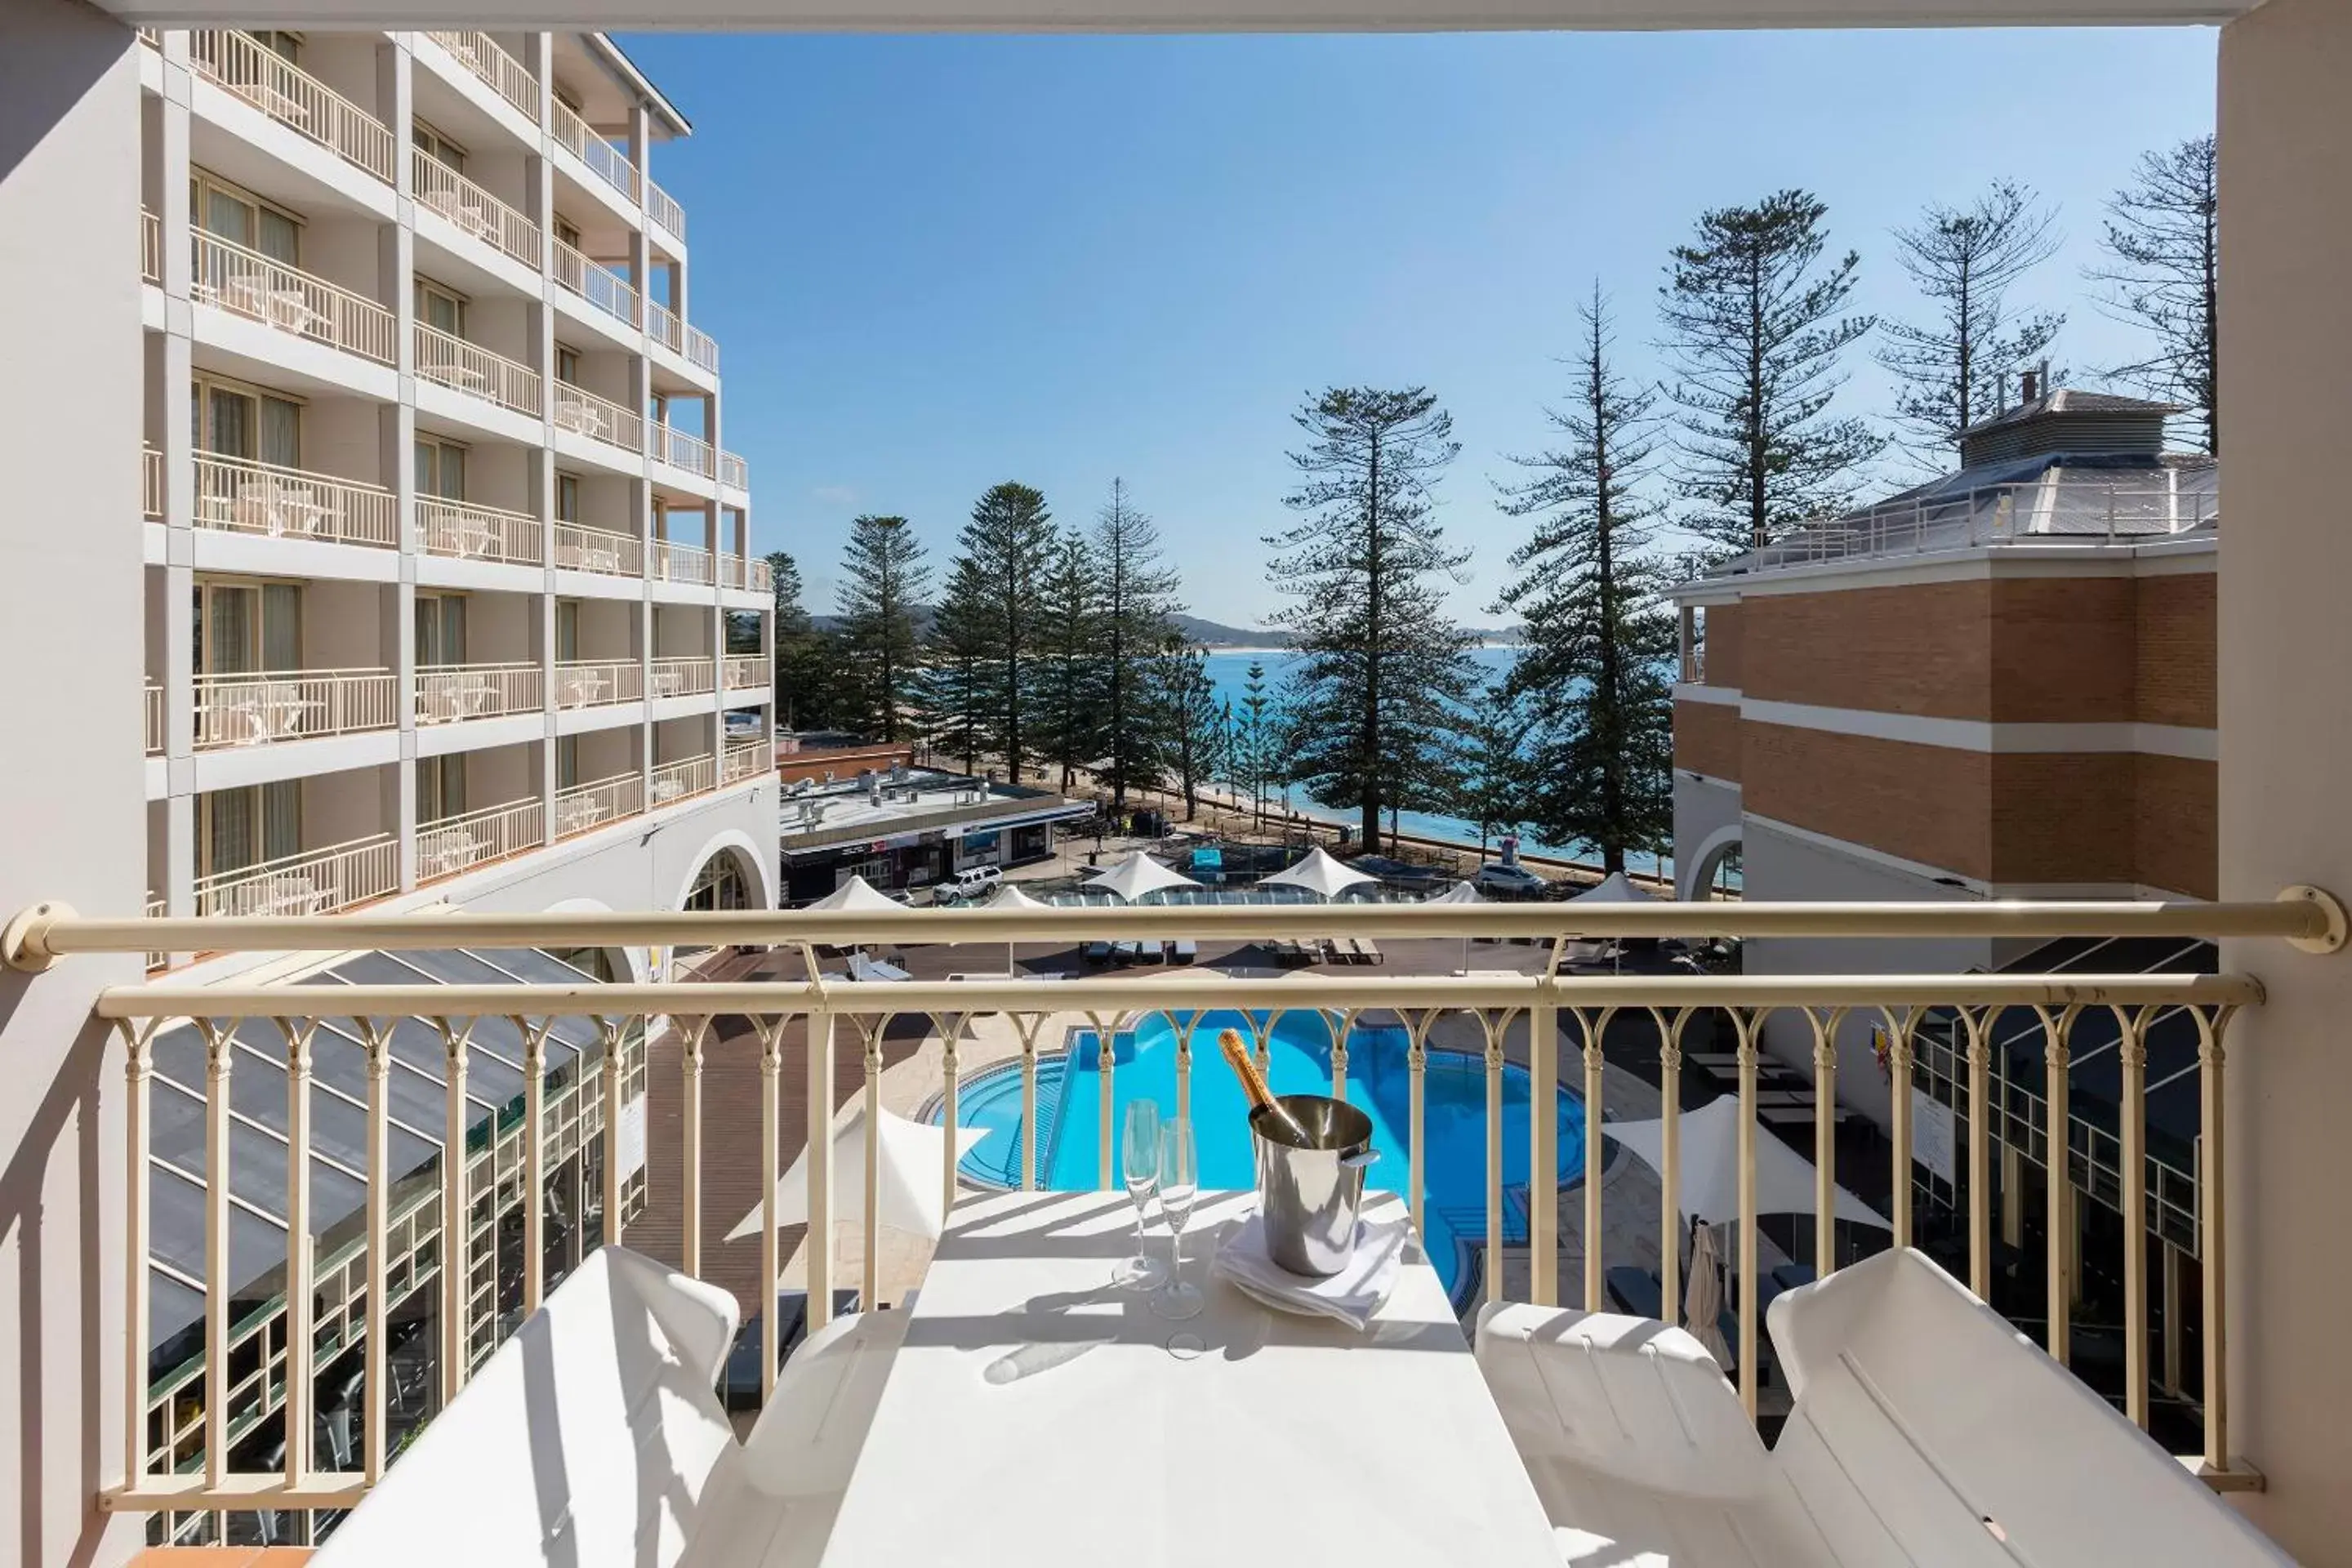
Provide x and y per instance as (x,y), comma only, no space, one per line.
(238,828)
(440,629)
(567,231)
(247,627)
(440,148)
(440,469)
(567,498)
(567,628)
(567,366)
(242,218)
(439,307)
(567,760)
(287,47)
(440,787)
(232,420)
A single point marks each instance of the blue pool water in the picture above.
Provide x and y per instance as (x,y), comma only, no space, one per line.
(1069,1094)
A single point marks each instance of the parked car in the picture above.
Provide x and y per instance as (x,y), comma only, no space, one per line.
(968,886)
(1510,881)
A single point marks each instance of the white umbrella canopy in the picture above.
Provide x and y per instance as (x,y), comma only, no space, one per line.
(1137,873)
(1319,874)
(1009,896)
(1613,889)
(1707,1185)
(911,1182)
(1703,1299)
(856,895)
(1460,893)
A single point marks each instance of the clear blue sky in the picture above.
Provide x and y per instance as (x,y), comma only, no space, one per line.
(933,263)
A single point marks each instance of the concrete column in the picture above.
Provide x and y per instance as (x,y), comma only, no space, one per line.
(71,603)
(2286,749)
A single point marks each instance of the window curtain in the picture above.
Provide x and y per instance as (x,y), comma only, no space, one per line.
(281,819)
(281,627)
(230,839)
(233,435)
(280,238)
(225,629)
(281,433)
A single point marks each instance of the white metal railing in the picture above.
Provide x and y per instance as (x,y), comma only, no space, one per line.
(702,350)
(151,246)
(251,708)
(246,497)
(584,413)
(763,578)
(293,97)
(665,211)
(734,572)
(734,472)
(452,361)
(680,562)
(447,692)
(1559,1026)
(151,478)
(473,209)
(684,675)
(688,775)
(663,326)
(2054,511)
(456,844)
(247,283)
(154,720)
(746,670)
(691,452)
(592,682)
(583,549)
(472,531)
(605,160)
(481,54)
(596,283)
(590,805)
(745,759)
(314,882)
(157,908)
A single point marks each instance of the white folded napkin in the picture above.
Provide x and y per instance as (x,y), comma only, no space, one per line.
(1351,1296)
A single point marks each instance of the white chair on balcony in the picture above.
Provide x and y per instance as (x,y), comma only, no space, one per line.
(1927,1430)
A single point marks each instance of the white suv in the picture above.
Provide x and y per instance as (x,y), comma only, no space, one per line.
(1513,881)
(970,885)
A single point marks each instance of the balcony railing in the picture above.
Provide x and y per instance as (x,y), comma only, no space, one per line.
(584,413)
(294,98)
(472,531)
(747,671)
(478,53)
(734,472)
(688,777)
(314,882)
(691,452)
(456,844)
(255,709)
(151,247)
(448,693)
(583,549)
(474,209)
(247,283)
(702,350)
(154,720)
(763,577)
(680,562)
(596,283)
(157,908)
(151,476)
(664,211)
(593,682)
(246,496)
(687,675)
(452,361)
(1548,1027)
(746,759)
(606,160)
(664,328)
(590,805)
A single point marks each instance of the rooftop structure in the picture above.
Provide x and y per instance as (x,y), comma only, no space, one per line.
(908,827)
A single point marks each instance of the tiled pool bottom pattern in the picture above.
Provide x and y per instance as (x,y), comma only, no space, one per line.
(1069,1093)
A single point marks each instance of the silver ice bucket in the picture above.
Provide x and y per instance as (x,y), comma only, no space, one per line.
(1309,1195)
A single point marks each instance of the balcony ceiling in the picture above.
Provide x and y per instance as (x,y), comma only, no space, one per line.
(1172,15)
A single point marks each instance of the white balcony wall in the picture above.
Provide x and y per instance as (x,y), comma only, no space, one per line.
(343,436)
(349,626)
(502,628)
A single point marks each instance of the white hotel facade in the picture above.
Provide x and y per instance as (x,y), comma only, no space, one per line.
(441,547)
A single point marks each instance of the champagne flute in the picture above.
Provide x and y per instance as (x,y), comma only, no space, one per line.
(1138,1158)
(1180,1185)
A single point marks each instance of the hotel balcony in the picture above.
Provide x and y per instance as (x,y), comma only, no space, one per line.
(580,549)
(449,692)
(603,159)
(689,776)
(151,476)
(689,453)
(453,363)
(154,720)
(695,346)
(151,246)
(453,845)
(583,807)
(598,682)
(469,531)
(260,708)
(498,70)
(312,882)
(746,759)
(687,676)
(443,189)
(242,65)
(747,671)
(734,473)
(243,496)
(666,211)
(673,562)
(598,284)
(242,282)
(585,413)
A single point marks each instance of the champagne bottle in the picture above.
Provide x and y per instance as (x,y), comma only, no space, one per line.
(1261,1097)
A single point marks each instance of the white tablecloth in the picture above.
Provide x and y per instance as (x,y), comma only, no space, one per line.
(1035,1418)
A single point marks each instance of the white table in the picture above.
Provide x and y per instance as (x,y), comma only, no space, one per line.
(1035,1418)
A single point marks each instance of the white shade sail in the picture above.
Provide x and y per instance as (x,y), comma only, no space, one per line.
(1460,893)
(1707,1185)
(1135,875)
(1320,874)
(1009,897)
(911,1181)
(856,894)
(1613,889)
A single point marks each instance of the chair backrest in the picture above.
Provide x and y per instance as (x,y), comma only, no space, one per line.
(1927,1429)
(587,1440)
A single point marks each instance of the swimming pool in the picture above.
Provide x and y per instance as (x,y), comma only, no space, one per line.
(1069,1092)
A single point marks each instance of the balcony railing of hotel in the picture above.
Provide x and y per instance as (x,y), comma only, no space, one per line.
(154,720)
(472,531)
(247,283)
(688,775)
(691,452)
(1694,666)
(579,548)
(592,682)
(664,327)
(254,708)
(746,759)
(247,496)
(680,562)
(734,472)
(684,675)
(314,882)
(702,350)
(584,413)
(763,577)
(596,283)
(665,211)
(151,246)
(151,476)
(456,844)
(474,209)
(588,805)
(505,75)
(452,361)
(606,160)
(294,98)
(1557,1022)
(746,670)
(158,907)
(448,693)
(2059,513)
